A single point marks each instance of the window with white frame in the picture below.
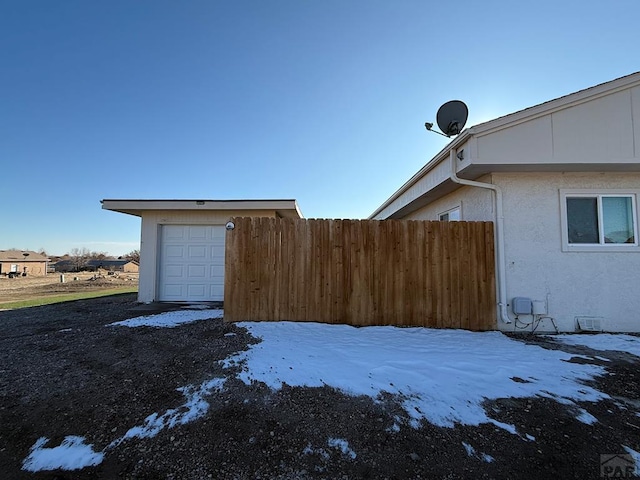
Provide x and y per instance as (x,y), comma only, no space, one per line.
(452,215)
(599,219)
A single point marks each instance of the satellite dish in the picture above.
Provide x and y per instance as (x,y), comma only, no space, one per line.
(451,117)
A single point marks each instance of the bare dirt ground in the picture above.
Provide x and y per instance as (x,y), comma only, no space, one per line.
(24,288)
(63,373)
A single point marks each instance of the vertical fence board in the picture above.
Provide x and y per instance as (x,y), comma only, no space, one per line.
(412,273)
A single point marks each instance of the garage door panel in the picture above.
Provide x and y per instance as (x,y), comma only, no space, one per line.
(218,233)
(216,290)
(174,251)
(217,252)
(173,291)
(197,292)
(217,272)
(197,251)
(198,232)
(173,232)
(174,271)
(197,271)
(191,263)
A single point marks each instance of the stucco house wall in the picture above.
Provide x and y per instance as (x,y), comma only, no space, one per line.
(476,205)
(602,284)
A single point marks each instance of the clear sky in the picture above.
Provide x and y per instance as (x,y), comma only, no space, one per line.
(323,101)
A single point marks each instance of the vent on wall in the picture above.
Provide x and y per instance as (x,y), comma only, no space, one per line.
(589,324)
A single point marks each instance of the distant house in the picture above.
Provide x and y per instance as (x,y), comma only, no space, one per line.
(109,264)
(561,182)
(22,262)
(67,265)
(119,265)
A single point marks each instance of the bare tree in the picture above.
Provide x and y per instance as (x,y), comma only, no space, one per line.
(133,255)
(79,257)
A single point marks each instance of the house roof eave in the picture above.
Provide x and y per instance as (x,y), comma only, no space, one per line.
(439,157)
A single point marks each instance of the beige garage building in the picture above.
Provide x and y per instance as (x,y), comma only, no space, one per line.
(182,243)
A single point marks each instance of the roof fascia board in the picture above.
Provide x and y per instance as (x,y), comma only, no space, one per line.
(441,155)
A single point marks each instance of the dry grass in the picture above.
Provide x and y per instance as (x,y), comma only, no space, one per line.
(40,290)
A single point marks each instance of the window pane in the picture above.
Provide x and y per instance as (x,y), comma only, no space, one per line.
(454,215)
(582,220)
(617,221)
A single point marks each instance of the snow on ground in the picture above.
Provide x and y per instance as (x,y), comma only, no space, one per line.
(342,445)
(442,376)
(195,407)
(71,454)
(170,319)
(602,341)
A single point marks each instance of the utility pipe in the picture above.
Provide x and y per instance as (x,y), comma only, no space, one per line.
(501,264)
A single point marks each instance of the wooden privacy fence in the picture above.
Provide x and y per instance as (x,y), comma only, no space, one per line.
(361,272)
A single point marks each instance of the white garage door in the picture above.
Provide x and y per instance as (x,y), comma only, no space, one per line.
(191,263)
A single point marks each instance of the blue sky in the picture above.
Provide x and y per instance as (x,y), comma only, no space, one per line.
(323,101)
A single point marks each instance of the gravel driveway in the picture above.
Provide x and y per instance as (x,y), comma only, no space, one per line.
(63,373)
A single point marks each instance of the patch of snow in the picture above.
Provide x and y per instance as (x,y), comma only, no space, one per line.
(602,341)
(636,458)
(486,458)
(169,319)
(342,445)
(531,438)
(470,450)
(586,417)
(230,334)
(195,406)
(442,376)
(71,454)
(395,428)
(309,450)
(64,330)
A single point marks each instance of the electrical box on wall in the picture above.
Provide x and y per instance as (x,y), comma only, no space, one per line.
(521,306)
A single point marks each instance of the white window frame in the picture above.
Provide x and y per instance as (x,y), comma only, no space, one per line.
(598,247)
(448,214)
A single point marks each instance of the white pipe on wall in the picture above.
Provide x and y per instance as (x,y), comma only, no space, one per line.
(501,263)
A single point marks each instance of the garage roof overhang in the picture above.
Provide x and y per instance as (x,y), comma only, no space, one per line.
(284,208)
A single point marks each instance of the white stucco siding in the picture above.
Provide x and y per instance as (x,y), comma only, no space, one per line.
(601,284)
(150,239)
